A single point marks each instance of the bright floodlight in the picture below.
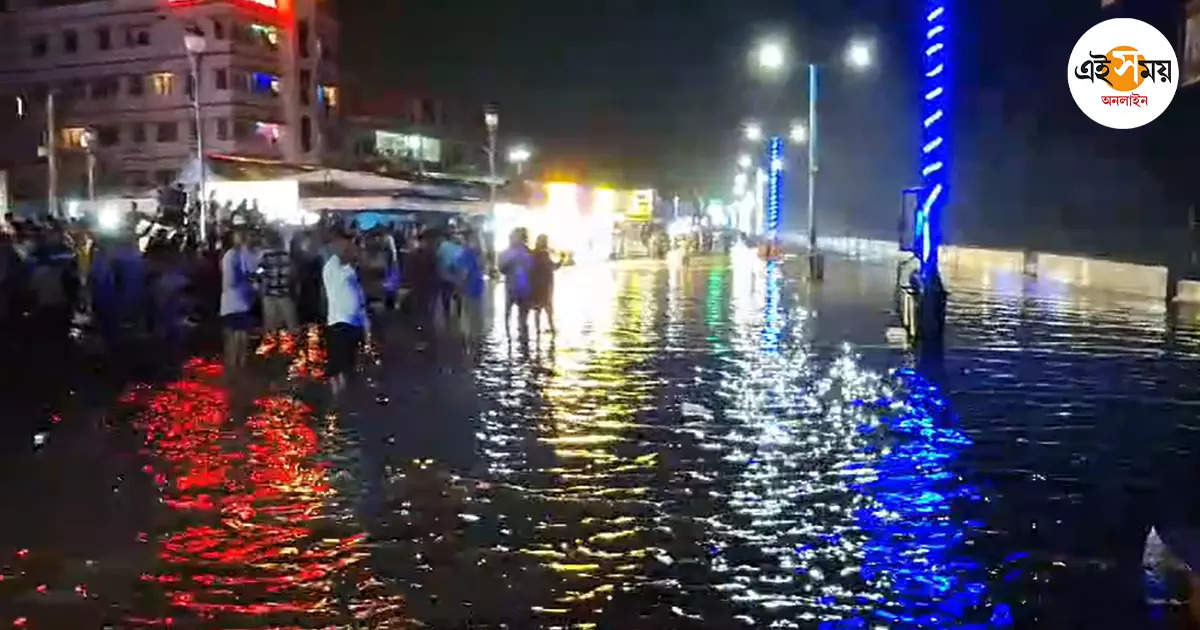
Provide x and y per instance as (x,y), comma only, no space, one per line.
(519,154)
(858,54)
(109,219)
(770,56)
(753,132)
(745,161)
(798,133)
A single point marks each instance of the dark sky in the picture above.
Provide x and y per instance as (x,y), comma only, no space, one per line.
(652,92)
(642,91)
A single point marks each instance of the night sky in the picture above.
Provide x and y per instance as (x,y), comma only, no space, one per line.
(652,92)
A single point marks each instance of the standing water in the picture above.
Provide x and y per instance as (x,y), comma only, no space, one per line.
(713,445)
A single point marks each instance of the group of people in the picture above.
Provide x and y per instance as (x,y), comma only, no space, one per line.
(56,276)
(435,275)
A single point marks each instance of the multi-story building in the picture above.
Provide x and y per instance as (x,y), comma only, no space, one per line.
(396,131)
(268,79)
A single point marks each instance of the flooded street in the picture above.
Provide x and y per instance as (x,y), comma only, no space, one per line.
(718,445)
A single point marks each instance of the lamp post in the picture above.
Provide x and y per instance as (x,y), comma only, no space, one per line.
(89,145)
(194,42)
(491,118)
(772,60)
(519,155)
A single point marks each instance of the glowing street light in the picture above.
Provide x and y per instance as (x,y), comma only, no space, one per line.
(745,161)
(799,133)
(519,155)
(754,131)
(771,56)
(858,54)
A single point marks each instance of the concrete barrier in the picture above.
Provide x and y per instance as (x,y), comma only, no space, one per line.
(1145,280)
(1188,291)
(1107,275)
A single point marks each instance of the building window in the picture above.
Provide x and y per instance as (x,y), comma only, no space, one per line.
(137,85)
(192,129)
(190,85)
(164,177)
(136,179)
(305,87)
(72,137)
(106,87)
(268,35)
(103,38)
(162,83)
(218,29)
(302,37)
(167,132)
(270,131)
(70,40)
(241,129)
(143,38)
(263,83)
(221,78)
(75,89)
(222,129)
(40,43)
(138,132)
(108,135)
(305,134)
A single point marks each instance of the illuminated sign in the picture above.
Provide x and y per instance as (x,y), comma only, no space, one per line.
(642,209)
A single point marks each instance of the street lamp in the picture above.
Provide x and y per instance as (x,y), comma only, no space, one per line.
(858,54)
(519,155)
(753,131)
(771,56)
(745,161)
(194,42)
(798,133)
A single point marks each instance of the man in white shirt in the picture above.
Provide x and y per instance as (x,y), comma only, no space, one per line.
(237,299)
(347,312)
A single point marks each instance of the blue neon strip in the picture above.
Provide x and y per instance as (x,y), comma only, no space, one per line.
(774,185)
(935,157)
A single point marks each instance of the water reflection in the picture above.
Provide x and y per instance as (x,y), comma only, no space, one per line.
(250,537)
(686,452)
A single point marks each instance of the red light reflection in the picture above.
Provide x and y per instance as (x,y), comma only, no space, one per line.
(251,542)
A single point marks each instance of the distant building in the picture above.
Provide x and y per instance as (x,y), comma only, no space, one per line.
(395,131)
(268,81)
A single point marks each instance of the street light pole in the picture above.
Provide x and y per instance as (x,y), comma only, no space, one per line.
(194,42)
(51,157)
(816,266)
(89,146)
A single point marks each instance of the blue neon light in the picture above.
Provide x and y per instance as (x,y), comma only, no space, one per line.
(774,185)
(935,156)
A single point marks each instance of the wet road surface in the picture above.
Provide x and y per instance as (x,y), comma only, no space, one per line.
(719,445)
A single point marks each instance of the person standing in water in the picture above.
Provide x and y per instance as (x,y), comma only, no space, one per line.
(237,298)
(543,283)
(516,263)
(347,317)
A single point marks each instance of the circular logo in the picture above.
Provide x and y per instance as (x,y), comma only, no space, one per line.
(1123,73)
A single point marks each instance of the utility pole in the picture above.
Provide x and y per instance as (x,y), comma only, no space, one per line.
(51,157)
(816,266)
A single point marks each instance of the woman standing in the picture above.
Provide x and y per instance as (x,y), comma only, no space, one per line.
(543,282)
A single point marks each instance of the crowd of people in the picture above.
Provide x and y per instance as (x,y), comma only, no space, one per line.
(61,279)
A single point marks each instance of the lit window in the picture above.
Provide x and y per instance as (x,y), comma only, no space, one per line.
(72,137)
(329,95)
(270,131)
(269,34)
(162,83)
(263,83)
(20,107)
